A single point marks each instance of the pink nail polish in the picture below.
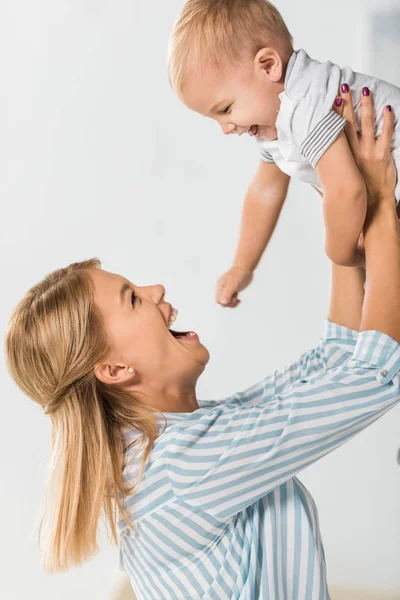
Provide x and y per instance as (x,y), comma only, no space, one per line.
(389,108)
(338,101)
(345,88)
(365,91)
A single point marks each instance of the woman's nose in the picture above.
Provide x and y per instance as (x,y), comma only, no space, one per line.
(158,293)
(155,292)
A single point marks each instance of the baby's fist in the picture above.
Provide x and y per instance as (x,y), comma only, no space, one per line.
(230,284)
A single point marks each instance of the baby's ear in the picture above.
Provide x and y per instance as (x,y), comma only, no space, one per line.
(268,62)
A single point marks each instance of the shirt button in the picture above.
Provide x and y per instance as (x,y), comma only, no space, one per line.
(384,373)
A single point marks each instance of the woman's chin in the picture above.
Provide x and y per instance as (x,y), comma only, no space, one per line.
(192,343)
(202,355)
(206,355)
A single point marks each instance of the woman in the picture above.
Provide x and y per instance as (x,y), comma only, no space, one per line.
(209,503)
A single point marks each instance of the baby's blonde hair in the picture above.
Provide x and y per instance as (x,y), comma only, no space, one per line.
(210,32)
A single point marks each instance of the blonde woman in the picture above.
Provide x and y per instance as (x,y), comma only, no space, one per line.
(204,493)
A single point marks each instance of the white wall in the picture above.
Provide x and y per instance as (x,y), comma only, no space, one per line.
(98,158)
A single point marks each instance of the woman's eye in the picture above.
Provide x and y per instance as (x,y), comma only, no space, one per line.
(226,110)
(133,300)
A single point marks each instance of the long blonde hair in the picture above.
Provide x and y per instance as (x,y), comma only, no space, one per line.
(212,32)
(54,341)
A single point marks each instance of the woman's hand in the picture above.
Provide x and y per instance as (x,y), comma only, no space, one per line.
(372,156)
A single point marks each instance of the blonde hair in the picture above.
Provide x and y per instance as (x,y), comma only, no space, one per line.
(54,340)
(209,32)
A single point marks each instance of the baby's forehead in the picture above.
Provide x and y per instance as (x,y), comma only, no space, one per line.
(208,86)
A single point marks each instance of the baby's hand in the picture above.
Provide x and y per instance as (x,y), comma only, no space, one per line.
(230,284)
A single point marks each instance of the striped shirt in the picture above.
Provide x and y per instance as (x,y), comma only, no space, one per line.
(219,513)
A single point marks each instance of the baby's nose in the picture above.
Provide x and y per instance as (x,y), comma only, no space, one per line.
(228,128)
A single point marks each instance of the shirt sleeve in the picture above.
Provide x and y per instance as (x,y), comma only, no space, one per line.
(265,155)
(234,455)
(336,346)
(307,109)
(323,129)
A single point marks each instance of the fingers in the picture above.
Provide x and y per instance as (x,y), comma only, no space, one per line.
(234,302)
(228,300)
(220,295)
(226,293)
(387,131)
(230,284)
(347,112)
(338,106)
(367,117)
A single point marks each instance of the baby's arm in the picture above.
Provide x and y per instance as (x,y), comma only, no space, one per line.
(345,201)
(261,210)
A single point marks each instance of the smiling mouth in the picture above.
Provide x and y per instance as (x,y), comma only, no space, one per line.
(253,130)
(178,334)
(181,334)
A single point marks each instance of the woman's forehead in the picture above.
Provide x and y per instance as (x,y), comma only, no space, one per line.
(109,287)
(108,277)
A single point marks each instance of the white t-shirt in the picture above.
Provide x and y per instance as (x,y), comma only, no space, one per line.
(307,125)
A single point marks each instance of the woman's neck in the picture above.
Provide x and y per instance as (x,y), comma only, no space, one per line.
(168,400)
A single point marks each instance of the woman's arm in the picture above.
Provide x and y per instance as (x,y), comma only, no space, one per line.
(347,296)
(225,459)
(381,232)
(337,341)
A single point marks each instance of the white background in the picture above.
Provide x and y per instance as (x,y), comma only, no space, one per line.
(99,158)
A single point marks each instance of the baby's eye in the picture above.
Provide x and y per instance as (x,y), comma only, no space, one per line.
(226,110)
(133,300)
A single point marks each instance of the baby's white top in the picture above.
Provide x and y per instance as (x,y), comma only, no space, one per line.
(307,125)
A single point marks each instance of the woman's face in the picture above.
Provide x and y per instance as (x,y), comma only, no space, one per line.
(136,320)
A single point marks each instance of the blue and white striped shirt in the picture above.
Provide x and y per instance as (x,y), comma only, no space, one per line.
(219,513)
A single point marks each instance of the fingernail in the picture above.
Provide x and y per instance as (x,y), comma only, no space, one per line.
(345,88)
(338,101)
(365,91)
(224,301)
(389,108)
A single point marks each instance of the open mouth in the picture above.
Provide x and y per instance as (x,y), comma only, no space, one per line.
(181,334)
(253,131)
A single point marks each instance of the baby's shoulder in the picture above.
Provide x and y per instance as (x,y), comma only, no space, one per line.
(305,73)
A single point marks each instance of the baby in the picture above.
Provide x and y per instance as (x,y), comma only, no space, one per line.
(233,61)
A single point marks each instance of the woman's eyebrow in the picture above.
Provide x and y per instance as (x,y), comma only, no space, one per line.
(126,286)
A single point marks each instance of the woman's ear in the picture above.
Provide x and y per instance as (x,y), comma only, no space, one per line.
(267,62)
(114,374)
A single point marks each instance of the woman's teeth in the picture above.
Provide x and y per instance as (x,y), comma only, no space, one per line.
(178,334)
(173,317)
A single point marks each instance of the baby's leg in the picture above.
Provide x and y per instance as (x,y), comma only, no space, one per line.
(344,201)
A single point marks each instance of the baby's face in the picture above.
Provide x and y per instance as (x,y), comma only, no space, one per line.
(242,99)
